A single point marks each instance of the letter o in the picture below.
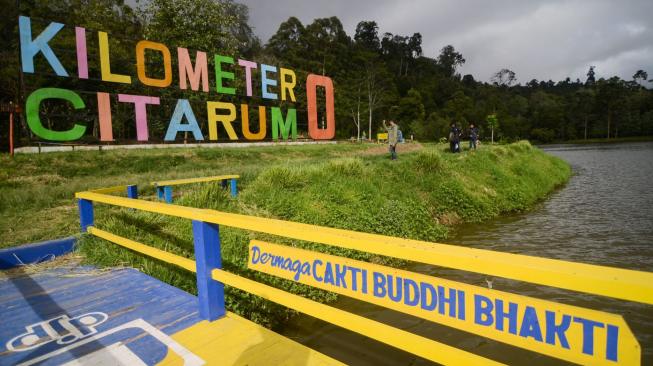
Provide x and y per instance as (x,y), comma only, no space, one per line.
(316,133)
(140,64)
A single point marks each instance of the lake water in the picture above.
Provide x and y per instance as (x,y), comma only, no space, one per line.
(604,216)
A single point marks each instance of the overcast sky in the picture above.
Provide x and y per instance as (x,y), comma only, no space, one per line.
(536,39)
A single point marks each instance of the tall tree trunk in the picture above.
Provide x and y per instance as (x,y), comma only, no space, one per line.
(358,117)
(585,127)
(616,130)
(369,108)
(323,64)
(609,120)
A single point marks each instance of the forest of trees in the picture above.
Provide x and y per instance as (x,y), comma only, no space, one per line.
(376,75)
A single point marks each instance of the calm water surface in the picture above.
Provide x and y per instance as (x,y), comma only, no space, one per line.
(604,215)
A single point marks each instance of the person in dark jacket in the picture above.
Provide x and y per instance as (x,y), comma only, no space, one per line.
(454,138)
(473,136)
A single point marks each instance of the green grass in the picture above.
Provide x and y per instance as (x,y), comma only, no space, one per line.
(347,186)
(38,189)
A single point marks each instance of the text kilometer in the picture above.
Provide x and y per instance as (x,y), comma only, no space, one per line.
(488,312)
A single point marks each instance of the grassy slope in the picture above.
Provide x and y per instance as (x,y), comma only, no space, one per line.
(37,190)
(417,197)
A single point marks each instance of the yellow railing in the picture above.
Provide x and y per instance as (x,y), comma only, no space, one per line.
(423,347)
(599,280)
(176,182)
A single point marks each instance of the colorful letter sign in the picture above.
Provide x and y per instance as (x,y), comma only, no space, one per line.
(231,79)
(563,331)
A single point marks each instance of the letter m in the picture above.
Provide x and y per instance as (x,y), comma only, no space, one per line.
(289,125)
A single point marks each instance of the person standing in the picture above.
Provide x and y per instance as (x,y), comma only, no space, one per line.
(393,138)
(454,138)
(473,136)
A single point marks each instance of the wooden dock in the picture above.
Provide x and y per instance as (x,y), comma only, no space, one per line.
(85,316)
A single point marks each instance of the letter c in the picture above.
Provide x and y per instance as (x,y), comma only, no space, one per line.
(33,105)
(315,264)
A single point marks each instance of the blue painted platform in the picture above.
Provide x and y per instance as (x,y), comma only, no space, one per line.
(60,316)
(85,316)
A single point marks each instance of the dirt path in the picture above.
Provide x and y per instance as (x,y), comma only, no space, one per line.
(380,149)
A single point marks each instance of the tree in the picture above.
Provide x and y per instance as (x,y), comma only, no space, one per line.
(533,84)
(434,127)
(504,77)
(584,103)
(248,43)
(212,22)
(350,98)
(288,42)
(468,80)
(640,76)
(458,108)
(411,110)
(449,60)
(328,46)
(377,88)
(403,49)
(547,112)
(493,123)
(367,35)
(609,96)
(590,76)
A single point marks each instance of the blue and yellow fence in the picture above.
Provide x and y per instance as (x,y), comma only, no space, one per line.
(570,333)
(164,187)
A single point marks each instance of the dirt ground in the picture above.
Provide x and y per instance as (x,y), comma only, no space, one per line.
(380,149)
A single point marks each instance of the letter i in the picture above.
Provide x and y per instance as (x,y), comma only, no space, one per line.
(104,116)
(461,305)
(82,55)
(364,287)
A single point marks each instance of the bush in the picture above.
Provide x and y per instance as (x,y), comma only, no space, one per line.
(542,134)
(429,161)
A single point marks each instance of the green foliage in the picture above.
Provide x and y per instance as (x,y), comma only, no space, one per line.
(543,134)
(492,121)
(169,22)
(429,161)
(410,107)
